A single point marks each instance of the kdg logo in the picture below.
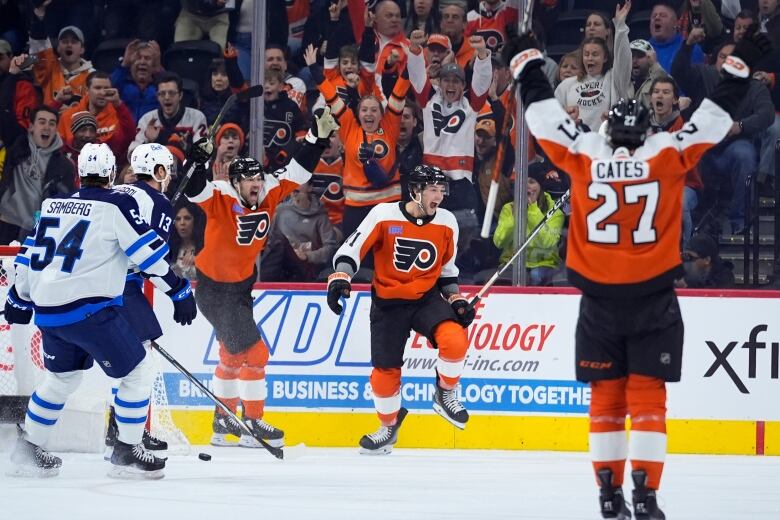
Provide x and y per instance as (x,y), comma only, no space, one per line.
(754,356)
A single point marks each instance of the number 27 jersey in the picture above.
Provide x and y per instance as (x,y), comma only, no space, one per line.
(626,220)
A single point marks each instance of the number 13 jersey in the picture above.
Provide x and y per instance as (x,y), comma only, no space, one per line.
(626,209)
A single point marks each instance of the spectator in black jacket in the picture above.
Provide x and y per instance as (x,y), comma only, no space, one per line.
(34,170)
(216,92)
(283,120)
(736,157)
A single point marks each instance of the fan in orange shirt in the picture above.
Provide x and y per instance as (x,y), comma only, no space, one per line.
(371,170)
(415,287)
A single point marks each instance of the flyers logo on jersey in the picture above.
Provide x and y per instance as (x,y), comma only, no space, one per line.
(410,252)
(276,132)
(252,227)
(450,123)
(329,185)
(493,39)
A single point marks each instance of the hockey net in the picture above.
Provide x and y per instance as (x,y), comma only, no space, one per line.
(22,369)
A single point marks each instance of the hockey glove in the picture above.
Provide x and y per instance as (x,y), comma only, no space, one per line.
(324,125)
(338,286)
(201,151)
(184,308)
(17,310)
(463,312)
(749,51)
(523,55)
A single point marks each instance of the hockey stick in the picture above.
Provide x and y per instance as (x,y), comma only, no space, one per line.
(485,288)
(243,96)
(276,452)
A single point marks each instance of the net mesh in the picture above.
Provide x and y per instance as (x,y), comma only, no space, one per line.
(22,369)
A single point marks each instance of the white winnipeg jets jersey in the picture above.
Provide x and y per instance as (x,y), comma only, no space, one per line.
(75,262)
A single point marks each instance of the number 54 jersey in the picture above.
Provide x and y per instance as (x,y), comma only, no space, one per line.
(626,220)
(411,255)
(75,262)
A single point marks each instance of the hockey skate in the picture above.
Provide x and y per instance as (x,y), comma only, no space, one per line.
(135,462)
(151,442)
(270,434)
(611,499)
(645,500)
(447,404)
(381,442)
(223,426)
(29,460)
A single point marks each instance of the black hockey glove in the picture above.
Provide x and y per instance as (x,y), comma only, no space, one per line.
(366,152)
(201,151)
(184,308)
(17,310)
(338,286)
(463,312)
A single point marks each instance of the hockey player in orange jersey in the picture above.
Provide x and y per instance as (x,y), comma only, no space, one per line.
(623,253)
(239,213)
(415,287)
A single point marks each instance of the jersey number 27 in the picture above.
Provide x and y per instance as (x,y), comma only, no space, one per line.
(69,247)
(643,233)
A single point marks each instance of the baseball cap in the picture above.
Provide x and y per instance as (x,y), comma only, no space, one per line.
(703,245)
(439,39)
(488,125)
(642,46)
(71,29)
(82,119)
(5,48)
(453,69)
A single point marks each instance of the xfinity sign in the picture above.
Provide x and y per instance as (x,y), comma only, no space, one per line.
(762,359)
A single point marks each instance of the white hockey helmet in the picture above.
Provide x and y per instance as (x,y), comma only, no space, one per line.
(146,157)
(97,160)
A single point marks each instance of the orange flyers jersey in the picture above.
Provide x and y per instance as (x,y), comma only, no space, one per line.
(327,181)
(491,25)
(358,191)
(297,14)
(626,209)
(410,254)
(235,235)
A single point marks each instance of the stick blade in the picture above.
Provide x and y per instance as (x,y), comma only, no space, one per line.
(252,92)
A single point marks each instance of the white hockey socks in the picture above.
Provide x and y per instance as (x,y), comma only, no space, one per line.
(47,402)
(131,402)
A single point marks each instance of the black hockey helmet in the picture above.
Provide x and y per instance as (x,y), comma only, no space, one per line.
(245,168)
(627,123)
(424,175)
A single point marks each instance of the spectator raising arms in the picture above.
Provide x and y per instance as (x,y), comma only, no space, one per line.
(601,82)
(63,77)
(18,95)
(370,159)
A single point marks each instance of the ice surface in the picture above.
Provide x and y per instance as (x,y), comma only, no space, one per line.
(326,484)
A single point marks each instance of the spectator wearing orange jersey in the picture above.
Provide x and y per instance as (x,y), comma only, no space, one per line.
(391,58)
(371,173)
(327,181)
(493,20)
(115,122)
(62,76)
(17,95)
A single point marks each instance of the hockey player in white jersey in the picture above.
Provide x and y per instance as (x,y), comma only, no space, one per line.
(71,272)
(153,164)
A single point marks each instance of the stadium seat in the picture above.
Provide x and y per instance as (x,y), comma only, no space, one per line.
(556,52)
(639,25)
(190,90)
(191,59)
(568,29)
(108,54)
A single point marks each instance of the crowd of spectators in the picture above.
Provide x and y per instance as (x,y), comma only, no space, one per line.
(410,81)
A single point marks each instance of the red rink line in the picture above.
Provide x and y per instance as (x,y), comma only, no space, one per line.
(760,433)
